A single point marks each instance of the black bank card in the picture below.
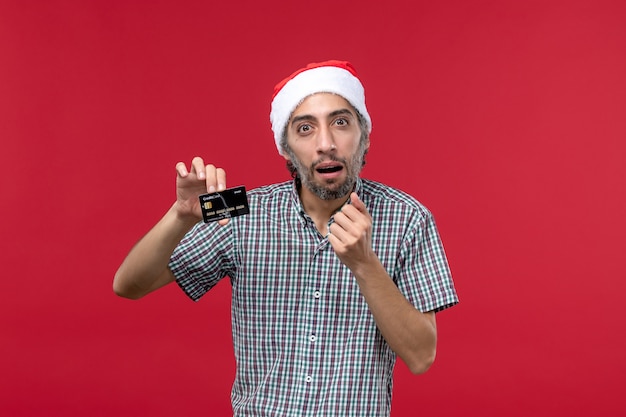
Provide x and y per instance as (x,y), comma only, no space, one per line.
(225,204)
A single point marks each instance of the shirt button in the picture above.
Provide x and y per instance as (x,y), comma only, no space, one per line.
(312,338)
(317,294)
(308,378)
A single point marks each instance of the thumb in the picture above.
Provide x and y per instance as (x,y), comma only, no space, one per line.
(357,203)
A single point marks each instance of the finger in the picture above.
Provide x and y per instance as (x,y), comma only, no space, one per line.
(223,222)
(350,218)
(181,170)
(357,203)
(211,178)
(348,230)
(342,220)
(350,213)
(197,167)
(221,179)
(338,232)
(335,242)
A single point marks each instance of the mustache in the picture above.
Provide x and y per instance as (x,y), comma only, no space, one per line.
(331,158)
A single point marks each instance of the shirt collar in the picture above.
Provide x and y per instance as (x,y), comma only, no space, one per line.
(297,204)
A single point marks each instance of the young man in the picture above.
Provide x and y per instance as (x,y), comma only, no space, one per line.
(332,275)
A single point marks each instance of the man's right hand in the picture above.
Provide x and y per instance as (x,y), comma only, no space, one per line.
(146,267)
(200,179)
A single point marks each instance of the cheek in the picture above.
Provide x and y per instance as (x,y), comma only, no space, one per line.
(302,153)
(351,150)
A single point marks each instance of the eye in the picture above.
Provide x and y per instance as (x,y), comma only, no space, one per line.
(305,128)
(341,121)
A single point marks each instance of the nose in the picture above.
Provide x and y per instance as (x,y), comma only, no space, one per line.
(325,140)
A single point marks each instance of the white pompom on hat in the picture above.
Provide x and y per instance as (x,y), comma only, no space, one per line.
(337,77)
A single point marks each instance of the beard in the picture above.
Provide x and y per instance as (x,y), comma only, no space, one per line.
(330,189)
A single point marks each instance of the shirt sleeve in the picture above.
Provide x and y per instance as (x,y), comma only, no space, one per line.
(202,258)
(423,273)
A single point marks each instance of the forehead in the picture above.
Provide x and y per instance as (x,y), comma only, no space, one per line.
(321,104)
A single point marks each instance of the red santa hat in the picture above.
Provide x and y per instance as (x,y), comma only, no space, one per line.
(337,77)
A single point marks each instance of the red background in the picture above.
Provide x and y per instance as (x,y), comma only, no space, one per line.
(506,118)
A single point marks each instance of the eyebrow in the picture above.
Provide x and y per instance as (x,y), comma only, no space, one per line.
(311,118)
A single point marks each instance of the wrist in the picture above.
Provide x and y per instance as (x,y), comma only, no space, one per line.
(371,267)
(182,217)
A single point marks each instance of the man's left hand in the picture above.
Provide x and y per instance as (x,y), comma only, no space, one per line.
(351,235)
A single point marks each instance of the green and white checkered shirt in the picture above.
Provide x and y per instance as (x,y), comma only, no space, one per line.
(305,341)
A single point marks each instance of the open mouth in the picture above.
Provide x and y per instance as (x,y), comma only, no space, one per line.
(329,169)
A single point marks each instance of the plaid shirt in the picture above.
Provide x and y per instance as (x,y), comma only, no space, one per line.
(305,341)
